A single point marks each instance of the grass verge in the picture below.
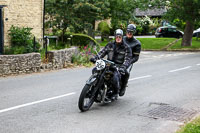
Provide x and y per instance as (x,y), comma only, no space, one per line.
(160,43)
(155,43)
(191,127)
(195,45)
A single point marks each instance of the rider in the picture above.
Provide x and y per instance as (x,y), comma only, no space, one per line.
(135,47)
(120,53)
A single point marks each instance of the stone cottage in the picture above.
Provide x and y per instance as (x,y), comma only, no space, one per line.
(22,13)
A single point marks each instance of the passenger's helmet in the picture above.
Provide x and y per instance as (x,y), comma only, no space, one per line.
(131,28)
(118,32)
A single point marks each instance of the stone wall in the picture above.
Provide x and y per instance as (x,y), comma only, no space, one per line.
(23,13)
(60,58)
(19,64)
(30,63)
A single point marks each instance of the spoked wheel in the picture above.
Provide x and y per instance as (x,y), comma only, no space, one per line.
(86,100)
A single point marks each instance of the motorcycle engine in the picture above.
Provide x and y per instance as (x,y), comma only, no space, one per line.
(108,75)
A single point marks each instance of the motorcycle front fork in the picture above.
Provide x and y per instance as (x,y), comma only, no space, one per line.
(104,92)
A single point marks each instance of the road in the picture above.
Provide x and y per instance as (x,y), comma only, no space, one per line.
(163,92)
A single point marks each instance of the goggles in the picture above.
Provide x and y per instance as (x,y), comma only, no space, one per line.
(118,36)
(130,32)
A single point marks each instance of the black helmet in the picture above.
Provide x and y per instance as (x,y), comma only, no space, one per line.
(131,28)
(119,32)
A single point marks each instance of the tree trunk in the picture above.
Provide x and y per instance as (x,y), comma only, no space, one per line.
(63,33)
(91,30)
(188,32)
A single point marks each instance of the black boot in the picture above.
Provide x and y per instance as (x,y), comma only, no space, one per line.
(124,85)
(115,96)
(122,91)
(116,92)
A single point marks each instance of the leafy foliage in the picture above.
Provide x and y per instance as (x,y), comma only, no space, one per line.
(88,11)
(79,16)
(21,41)
(20,36)
(60,15)
(121,11)
(191,127)
(146,25)
(83,57)
(104,28)
(187,11)
(84,40)
(184,10)
(179,23)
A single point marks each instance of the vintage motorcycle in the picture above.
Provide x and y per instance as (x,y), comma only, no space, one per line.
(98,87)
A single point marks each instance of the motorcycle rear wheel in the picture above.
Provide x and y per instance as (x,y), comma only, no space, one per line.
(86,99)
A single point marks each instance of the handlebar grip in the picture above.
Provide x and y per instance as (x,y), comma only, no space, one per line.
(114,67)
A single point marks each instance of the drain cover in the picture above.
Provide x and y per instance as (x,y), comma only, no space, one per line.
(170,113)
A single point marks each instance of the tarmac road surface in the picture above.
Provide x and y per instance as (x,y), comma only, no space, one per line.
(163,92)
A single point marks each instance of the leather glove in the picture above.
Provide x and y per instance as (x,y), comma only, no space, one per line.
(93,60)
(122,70)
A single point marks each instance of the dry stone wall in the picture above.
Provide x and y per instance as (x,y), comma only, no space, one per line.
(19,64)
(60,58)
(31,63)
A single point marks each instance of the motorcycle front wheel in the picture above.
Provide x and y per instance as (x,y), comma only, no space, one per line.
(86,99)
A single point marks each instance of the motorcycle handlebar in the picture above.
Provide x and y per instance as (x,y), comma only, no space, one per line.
(113,65)
(109,61)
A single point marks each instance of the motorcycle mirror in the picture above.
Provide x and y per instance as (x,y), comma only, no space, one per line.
(97,53)
(95,49)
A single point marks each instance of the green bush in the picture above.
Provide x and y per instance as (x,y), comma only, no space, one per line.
(117,24)
(84,40)
(138,30)
(20,36)
(21,41)
(191,127)
(83,57)
(179,23)
(104,28)
(80,40)
(146,25)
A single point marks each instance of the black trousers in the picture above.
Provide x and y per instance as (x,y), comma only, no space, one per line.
(125,77)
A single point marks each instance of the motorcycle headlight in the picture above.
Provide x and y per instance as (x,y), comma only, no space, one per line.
(100,64)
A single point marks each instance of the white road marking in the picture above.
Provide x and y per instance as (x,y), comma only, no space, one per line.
(36,102)
(149,55)
(180,69)
(147,76)
(198,64)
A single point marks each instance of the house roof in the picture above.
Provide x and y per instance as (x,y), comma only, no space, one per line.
(150,12)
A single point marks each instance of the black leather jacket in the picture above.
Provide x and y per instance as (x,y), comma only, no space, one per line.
(135,47)
(118,53)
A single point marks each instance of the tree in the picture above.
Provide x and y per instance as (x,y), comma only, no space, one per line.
(187,11)
(82,14)
(79,14)
(121,11)
(61,14)
(88,11)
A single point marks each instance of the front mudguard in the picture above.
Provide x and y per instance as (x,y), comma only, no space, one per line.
(95,80)
(92,80)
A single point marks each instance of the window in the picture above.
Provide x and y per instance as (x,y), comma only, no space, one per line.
(172,30)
